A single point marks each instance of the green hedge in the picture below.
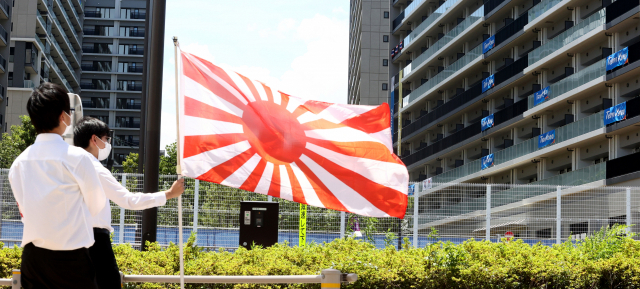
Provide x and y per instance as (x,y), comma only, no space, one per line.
(609,259)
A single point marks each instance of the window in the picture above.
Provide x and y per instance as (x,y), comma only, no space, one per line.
(385,38)
(386,14)
(385,62)
(384,86)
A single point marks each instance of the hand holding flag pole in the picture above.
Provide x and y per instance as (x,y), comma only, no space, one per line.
(176,45)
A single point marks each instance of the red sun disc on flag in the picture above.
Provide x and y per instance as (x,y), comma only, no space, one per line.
(244,134)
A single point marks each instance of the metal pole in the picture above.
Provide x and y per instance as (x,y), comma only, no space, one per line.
(145,81)
(15,279)
(330,279)
(487,234)
(416,217)
(558,215)
(343,218)
(399,234)
(628,209)
(152,126)
(176,45)
(121,235)
(196,194)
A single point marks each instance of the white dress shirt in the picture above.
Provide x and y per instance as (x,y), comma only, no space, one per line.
(57,190)
(122,197)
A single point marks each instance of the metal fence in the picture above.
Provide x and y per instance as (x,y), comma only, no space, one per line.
(446,212)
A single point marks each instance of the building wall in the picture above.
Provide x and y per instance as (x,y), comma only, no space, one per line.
(367,51)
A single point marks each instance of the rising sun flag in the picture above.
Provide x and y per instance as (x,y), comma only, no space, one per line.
(244,134)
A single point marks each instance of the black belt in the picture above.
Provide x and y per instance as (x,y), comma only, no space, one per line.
(101,231)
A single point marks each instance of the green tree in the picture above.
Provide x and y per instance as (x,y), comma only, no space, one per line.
(169,162)
(14,143)
(130,164)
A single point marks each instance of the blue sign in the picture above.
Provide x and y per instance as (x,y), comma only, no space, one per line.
(486,122)
(412,189)
(619,58)
(487,83)
(542,95)
(392,105)
(486,162)
(615,113)
(547,138)
(488,44)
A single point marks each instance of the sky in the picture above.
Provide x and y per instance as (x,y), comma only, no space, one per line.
(300,47)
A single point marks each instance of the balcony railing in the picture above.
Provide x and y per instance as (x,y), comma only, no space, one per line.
(4,4)
(28,84)
(93,14)
(590,73)
(64,36)
(98,49)
(541,8)
(427,22)
(134,69)
(3,34)
(64,59)
(127,105)
(518,193)
(71,27)
(443,75)
(412,7)
(3,63)
(127,124)
(398,20)
(594,21)
(473,18)
(137,51)
(99,67)
(136,33)
(130,87)
(60,75)
(138,15)
(583,126)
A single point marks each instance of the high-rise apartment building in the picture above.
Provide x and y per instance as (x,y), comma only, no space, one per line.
(111,79)
(45,45)
(515,92)
(5,25)
(369,39)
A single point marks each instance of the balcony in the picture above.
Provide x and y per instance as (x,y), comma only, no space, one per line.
(96,102)
(64,37)
(133,69)
(594,21)
(3,63)
(427,22)
(452,34)
(59,73)
(565,85)
(5,9)
(100,49)
(619,8)
(137,15)
(95,32)
(124,103)
(129,87)
(127,142)
(92,14)
(3,36)
(102,67)
(541,8)
(397,21)
(134,33)
(69,24)
(131,122)
(136,51)
(63,57)
(575,129)
(96,84)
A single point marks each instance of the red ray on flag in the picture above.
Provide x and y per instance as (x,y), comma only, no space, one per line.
(244,134)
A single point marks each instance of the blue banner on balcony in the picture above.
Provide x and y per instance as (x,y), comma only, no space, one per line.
(487,83)
(547,138)
(392,104)
(542,95)
(486,122)
(615,113)
(619,58)
(412,189)
(488,44)
(486,162)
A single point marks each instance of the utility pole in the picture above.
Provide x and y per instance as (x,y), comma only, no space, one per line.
(152,115)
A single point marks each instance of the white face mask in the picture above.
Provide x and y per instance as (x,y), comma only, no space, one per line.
(104,153)
(68,130)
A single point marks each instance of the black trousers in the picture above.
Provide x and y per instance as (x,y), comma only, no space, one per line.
(47,269)
(107,273)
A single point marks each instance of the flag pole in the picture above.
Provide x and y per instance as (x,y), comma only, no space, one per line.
(176,45)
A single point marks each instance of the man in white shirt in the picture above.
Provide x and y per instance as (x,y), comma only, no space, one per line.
(91,134)
(58,192)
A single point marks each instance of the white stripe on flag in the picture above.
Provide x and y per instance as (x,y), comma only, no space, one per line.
(341,134)
(241,174)
(239,82)
(351,199)
(307,189)
(384,136)
(197,91)
(307,117)
(202,126)
(260,89)
(199,164)
(338,113)
(265,180)
(392,175)
(286,192)
(217,79)
(293,103)
(277,97)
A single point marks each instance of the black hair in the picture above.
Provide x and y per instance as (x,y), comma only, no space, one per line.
(86,128)
(45,105)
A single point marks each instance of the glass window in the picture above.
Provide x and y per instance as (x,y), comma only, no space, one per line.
(385,38)
(385,62)
(386,14)
(384,86)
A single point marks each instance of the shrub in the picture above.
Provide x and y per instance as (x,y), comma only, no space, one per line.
(608,259)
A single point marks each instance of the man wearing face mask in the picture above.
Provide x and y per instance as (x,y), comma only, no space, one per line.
(58,192)
(91,134)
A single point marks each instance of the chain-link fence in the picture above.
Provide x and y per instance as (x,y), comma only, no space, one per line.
(446,212)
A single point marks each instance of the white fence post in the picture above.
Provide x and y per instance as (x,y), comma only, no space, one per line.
(559,215)
(342,224)
(196,194)
(416,197)
(628,209)
(488,229)
(121,235)
(269,199)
